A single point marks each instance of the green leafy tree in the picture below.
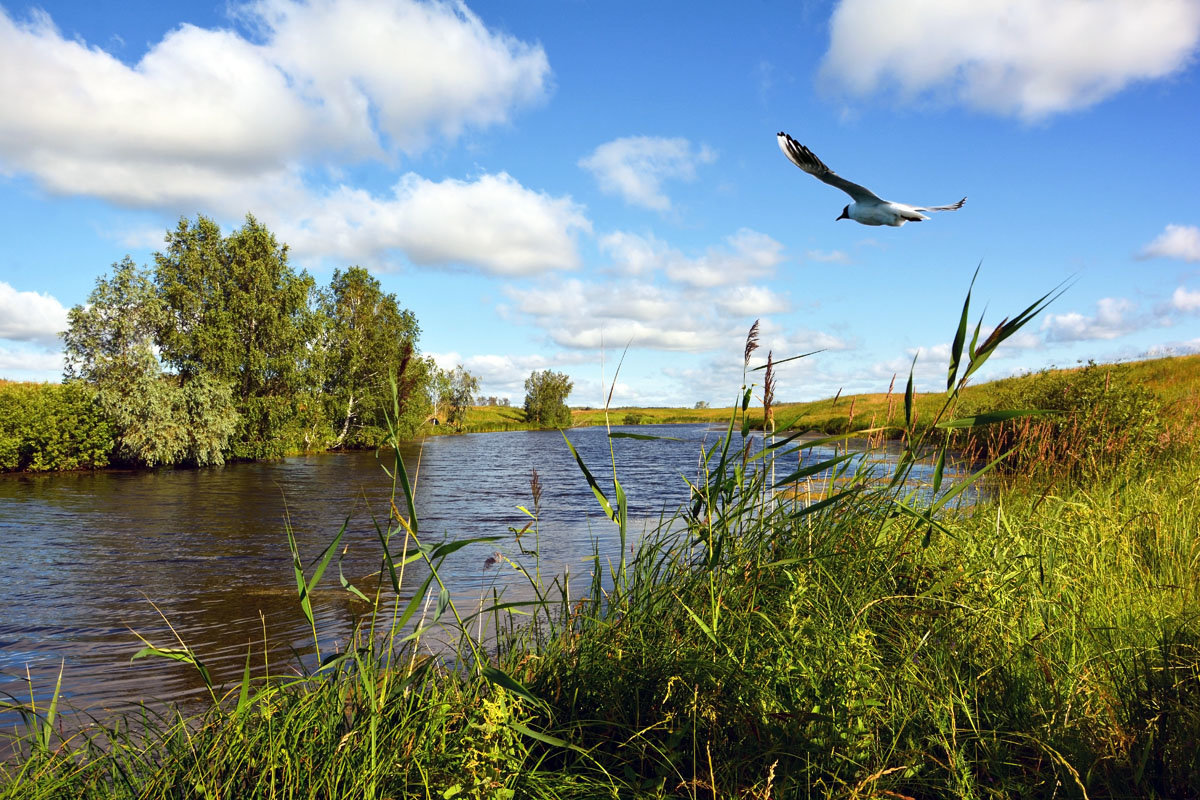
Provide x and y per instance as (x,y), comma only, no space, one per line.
(234,310)
(546,395)
(368,341)
(437,389)
(455,389)
(156,418)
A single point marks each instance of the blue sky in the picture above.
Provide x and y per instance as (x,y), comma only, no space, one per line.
(543,183)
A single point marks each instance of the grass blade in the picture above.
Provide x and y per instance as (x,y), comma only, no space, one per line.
(587,474)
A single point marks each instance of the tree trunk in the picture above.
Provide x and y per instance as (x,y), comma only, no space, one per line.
(346,424)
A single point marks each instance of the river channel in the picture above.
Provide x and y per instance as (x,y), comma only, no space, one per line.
(92,561)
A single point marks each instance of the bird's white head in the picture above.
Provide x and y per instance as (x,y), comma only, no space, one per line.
(845,214)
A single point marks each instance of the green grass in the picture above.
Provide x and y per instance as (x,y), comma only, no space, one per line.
(1039,646)
(876,644)
(1175,381)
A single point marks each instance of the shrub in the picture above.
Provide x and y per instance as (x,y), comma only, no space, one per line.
(836,425)
(50,426)
(1096,423)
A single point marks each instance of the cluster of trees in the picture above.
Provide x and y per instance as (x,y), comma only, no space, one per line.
(546,399)
(452,391)
(224,350)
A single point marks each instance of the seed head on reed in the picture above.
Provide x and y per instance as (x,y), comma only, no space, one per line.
(751,343)
(535,488)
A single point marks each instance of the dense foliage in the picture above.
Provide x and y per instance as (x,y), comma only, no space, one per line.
(236,312)
(48,426)
(546,395)
(367,340)
(452,391)
(157,418)
(222,350)
(1094,421)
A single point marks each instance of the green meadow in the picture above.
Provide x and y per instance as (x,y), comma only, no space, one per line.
(882,641)
(1175,381)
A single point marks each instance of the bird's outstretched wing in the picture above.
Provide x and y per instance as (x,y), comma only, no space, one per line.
(804,158)
(953,207)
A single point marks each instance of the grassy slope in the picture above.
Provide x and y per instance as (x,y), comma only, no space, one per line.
(1175,380)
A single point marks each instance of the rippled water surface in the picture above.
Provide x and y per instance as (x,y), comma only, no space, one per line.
(93,560)
(89,559)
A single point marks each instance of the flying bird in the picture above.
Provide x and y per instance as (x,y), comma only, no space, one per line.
(868,207)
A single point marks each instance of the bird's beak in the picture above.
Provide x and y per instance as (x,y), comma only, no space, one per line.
(843,216)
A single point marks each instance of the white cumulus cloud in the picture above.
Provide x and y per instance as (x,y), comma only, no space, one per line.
(751,301)
(634,254)
(30,364)
(741,257)
(1113,318)
(492,223)
(1030,58)
(416,67)
(664,300)
(1185,299)
(635,167)
(591,315)
(30,316)
(209,114)
(746,254)
(1176,241)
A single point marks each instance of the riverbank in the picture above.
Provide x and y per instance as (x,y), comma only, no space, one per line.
(1046,644)
(1174,381)
(49,427)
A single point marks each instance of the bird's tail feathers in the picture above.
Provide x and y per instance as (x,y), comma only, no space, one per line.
(953,207)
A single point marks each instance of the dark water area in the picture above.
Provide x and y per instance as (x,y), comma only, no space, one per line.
(88,559)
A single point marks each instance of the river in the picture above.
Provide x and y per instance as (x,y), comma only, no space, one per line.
(89,559)
(92,561)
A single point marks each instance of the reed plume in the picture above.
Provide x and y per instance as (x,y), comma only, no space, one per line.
(751,343)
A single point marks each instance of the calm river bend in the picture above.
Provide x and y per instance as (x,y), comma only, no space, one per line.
(90,558)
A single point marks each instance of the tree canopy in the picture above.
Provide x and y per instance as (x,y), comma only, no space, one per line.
(368,341)
(157,418)
(225,351)
(452,391)
(546,395)
(237,312)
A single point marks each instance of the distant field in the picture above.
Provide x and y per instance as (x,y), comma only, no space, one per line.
(1175,380)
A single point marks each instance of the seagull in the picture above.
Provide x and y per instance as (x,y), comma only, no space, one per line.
(867,208)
